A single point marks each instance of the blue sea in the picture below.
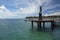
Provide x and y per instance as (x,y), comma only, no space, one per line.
(18,29)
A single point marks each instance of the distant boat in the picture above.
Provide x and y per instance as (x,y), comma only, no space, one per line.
(25,20)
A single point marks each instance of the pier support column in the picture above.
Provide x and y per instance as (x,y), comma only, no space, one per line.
(39,25)
(32,24)
(44,26)
(52,26)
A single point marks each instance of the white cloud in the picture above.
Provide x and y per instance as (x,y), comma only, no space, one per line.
(50,7)
(52,14)
(19,3)
(5,13)
(3,8)
(41,2)
(31,8)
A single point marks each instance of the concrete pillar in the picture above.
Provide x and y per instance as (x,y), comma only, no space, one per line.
(32,24)
(44,26)
(52,26)
(39,25)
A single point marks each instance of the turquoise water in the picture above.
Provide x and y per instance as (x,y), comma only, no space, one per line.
(18,29)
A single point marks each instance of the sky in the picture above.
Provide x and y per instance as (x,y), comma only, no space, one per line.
(23,8)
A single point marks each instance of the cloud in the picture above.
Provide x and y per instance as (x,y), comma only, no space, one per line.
(26,8)
(3,8)
(32,6)
(53,14)
(29,10)
(50,7)
(5,13)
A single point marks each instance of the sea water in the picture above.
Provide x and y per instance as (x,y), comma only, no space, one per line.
(18,29)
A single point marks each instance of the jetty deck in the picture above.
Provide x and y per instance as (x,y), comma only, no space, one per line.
(42,21)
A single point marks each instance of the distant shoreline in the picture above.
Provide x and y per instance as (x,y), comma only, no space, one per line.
(44,16)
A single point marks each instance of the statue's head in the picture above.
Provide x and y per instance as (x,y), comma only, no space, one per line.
(40,8)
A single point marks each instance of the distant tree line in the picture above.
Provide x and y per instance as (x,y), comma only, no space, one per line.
(44,17)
